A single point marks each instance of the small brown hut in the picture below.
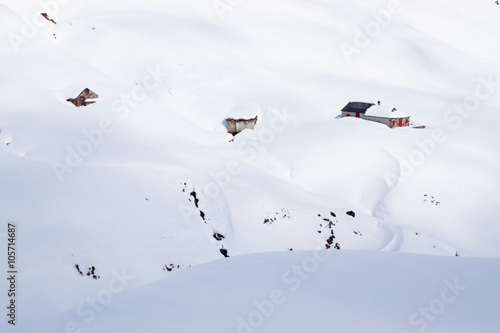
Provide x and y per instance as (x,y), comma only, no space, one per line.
(236,125)
(81,99)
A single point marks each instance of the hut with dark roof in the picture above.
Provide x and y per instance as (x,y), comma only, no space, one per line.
(356,109)
(82,98)
(376,112)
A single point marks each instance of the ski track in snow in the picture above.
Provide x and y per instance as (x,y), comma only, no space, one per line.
(397,238)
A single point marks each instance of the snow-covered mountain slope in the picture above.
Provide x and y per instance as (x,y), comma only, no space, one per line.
(148,179)
(310,291)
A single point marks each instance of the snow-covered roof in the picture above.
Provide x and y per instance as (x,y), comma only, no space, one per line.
(385,111)
(244,112)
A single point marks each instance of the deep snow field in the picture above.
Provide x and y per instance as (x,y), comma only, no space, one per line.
(125,210)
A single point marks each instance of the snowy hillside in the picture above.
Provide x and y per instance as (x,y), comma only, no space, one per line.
(147,180)
(306,292)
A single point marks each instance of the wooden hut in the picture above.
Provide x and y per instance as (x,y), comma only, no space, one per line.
(236,125)
(376,112)
(242,117)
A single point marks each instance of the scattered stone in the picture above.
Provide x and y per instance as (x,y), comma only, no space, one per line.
(218,236)
(172,267)
(48,18)
(269,220)
(90,272)
(78,269)
(196,200)
(223,251)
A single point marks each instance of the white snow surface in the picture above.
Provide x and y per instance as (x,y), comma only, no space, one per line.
(248,111)
(147,181)
(344,291)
